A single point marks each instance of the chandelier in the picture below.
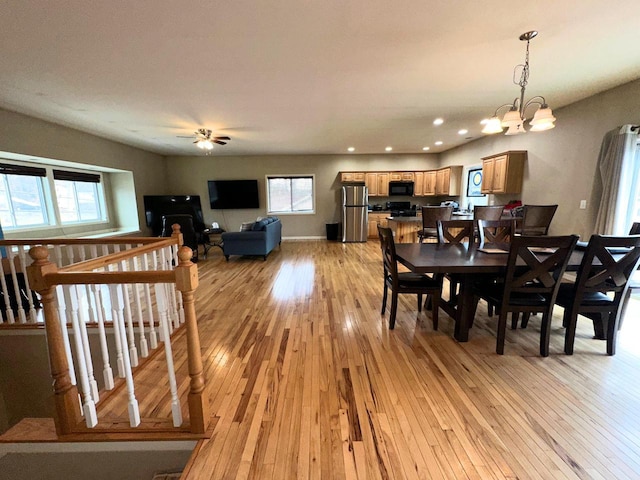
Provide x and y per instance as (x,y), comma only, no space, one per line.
(515,117)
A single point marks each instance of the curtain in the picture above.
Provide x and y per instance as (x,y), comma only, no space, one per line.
(617,166)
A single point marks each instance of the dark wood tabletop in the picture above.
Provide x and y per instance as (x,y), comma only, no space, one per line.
(465,260)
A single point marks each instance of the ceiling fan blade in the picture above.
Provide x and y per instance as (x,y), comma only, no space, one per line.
(184,136)
(219,142)
(222,138)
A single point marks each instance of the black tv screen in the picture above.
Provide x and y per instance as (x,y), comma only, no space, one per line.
(155,206)
(233,194)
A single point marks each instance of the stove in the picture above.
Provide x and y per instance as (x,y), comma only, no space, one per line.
(403,213)
(401,209)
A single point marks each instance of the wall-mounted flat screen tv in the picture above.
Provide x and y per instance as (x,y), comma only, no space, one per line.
(233,194)
(155,206)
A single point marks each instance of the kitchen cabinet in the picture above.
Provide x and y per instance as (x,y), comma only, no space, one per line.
(383,184)
(448,181)
(371,181)
(376,219)
(418,185)
(401,177)
(351,177)
(430,183)
(503,173)
(377,184)
(405,230)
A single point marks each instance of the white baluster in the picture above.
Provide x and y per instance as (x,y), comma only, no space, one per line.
(82,255)
(87,347)
(57,255)
(107,372)
(117,303)
(164,326)
(5,293)
(62,315)
(22,317)
(22,251)
(153,338)
(166,257)
(133,351)
(144,348)
(88,404)
(70,254)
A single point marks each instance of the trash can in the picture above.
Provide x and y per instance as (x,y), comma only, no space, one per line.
(332,231)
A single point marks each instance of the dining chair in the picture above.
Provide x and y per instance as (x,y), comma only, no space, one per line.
(495,231)
(491,212)
(430,217)
(454,231)
(633,285)
(536,219)
(534,268)
(405,282)
(600,286)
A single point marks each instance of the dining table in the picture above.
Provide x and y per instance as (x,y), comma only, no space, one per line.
(467,260)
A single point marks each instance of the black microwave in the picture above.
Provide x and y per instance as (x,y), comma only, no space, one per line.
(401,188)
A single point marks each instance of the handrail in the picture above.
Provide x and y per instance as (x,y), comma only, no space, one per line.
(45,277)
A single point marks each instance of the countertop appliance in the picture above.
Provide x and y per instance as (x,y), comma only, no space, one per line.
(401,188)
(355,215)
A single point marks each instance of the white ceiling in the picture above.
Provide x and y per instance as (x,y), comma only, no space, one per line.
(303,76)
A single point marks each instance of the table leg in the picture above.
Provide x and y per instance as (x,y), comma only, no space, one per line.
(465,309)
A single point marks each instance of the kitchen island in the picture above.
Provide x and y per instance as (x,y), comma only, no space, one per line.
(405,229)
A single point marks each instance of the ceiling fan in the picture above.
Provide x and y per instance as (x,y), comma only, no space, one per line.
(205,140)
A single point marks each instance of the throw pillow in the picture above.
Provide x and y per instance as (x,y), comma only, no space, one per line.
(261,225)
(246,226)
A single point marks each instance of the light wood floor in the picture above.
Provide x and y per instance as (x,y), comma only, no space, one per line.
(306,381)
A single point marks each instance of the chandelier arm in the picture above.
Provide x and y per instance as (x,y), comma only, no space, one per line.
(510,105)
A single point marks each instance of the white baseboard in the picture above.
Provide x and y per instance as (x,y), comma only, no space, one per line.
(304,238)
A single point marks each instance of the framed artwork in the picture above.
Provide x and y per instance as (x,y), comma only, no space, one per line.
(474,183)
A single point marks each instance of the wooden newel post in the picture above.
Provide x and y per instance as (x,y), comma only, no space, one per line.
(65,393)
(175,233)
(187,282)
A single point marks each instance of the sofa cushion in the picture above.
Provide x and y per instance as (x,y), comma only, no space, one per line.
(260,225)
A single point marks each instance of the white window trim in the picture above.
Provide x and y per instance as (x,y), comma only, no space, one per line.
(296,175)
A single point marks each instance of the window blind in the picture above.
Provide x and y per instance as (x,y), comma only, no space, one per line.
(76,176)
(9,169)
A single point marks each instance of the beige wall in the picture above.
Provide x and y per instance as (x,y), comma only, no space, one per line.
(23,137)
(189,175)
(562,162)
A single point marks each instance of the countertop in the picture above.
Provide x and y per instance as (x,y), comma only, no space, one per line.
(405,219)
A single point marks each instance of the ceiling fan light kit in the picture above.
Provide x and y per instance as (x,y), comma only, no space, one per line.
(204,139)
(515,117)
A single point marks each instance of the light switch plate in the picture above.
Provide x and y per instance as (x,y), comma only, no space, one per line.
(583,204)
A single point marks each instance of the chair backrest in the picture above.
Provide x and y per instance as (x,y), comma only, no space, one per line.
(455,231)
(537,218)
(535,266)
(603,270)
(388,247)
(431,215)
(482,212)
(635,229)
(186,228)
(495,231)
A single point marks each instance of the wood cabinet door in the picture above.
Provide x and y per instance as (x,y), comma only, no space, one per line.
(487,175)
(346,177)
(371,181)
(358,176)
(418,185)
(442,181)
(407,176)
(372,228)
(430,183)
(499,183)
(395,176)
(383,184)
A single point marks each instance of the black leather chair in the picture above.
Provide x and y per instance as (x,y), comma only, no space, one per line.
(405,282)
(190,237)
(600,273)
(531,283)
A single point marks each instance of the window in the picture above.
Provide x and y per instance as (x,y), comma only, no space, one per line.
(290,194)
(22,201)
(79,197)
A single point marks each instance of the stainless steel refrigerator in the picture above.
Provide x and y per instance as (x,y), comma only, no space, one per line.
(355,215)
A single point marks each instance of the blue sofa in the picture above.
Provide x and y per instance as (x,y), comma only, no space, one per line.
(264,236)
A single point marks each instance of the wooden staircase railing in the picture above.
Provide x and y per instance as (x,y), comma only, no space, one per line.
(121,271)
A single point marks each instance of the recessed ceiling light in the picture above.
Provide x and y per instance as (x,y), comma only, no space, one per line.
(351,149)
(425,148)
(439,142)
(484,121)
(438,121)
(388,149)
(463,131)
